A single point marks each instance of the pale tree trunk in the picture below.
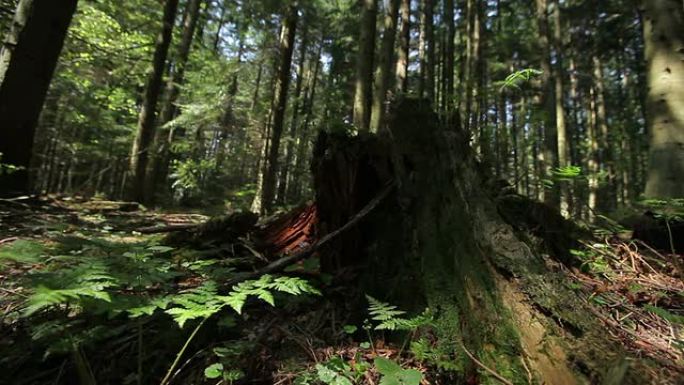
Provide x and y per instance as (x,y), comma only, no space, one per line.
(468,66)
(593,158)
(28,59)
(287,39)
(549,150)
(607,198)
(363,85)
(561,127)
(146,120)
(663,22)
(158,162)
(383,74)
(404,41)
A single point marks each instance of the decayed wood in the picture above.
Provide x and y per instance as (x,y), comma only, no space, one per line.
(282,263)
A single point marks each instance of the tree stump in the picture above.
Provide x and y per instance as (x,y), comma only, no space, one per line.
(439,241)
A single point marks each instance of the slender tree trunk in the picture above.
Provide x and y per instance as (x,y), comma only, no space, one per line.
(448,69)
(217,37)
(287,39)
(157,169)
(384,68)
(429,50)
(404,45)
(294,124)
(561,127)
(593,158)
(228,118)
(364,66)
(304,140)
(549,150)
(663,22)
(27,61)
(146,121)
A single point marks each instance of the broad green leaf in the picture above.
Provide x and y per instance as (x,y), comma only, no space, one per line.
(213,371)
(386,366)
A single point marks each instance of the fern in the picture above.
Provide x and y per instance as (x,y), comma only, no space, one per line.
(72,286)
(389,318)
(204,301)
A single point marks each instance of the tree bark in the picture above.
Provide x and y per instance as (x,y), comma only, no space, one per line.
(561,127)
(27,62)
(448,69)
(404,45)
(549,149)
(287,39)
(363,86)
(439,241)
(384,71)
(294,123)
(426,87)
(158,167)
(146,120)
(663,23)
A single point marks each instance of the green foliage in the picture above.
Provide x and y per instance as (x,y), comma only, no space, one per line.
(515,79)
(21,251)
(204,301)
(6,169)
(663,313)
(393,374)
(388,317)
(336,371)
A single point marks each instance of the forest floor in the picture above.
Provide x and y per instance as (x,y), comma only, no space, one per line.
(94,289)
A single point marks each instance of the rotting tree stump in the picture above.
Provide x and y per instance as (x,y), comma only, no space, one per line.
(439,241)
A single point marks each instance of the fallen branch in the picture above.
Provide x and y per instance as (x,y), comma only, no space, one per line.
(167,229)
(284,262)
(485,367)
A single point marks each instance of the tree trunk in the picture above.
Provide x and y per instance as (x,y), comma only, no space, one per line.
(294,123)
(549,150)
(158,167)
(287,39)
(404,45)
(663,22)
(363,85)
(27,61)
(384,70)
(561,128)
(448,69)
(427,53)
(146,121)
(304,141)
(438,241)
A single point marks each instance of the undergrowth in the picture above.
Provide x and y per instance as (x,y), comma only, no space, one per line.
(80,303)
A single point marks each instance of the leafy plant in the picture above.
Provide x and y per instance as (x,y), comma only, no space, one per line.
(335,372)
(6,169)
(388,317)
(204,301)
(518,77)
(393,374)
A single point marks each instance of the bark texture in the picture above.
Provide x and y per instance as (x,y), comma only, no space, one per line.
(27,62)
(663,22)
(363,86)
(440,242)
(148,116)
(287,40)
(159,162)
(384,70)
